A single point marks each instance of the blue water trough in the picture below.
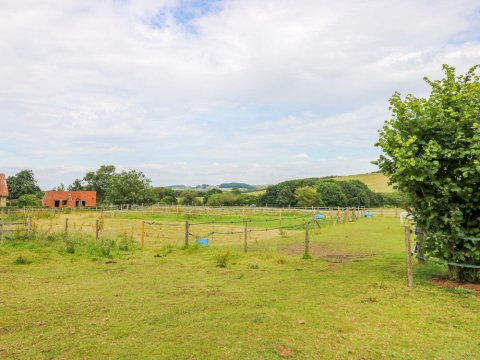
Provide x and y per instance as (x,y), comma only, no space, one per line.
(203,242)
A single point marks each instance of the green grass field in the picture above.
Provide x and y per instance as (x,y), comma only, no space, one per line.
(375,181)
(164,302)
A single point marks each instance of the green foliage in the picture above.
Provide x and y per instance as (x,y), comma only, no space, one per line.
(168,200)
(189,197)
(227,198)
(396,198)
(22,183)
(357,193)
(131,187)
(431,152)
(307,196)
(332,194)
(127,187)
(28,200)
(100,181)
(164,195)
(209,193)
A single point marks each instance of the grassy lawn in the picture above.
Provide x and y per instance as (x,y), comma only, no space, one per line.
(164,302)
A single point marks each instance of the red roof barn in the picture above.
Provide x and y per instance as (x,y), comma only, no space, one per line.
(69,198)
(3,190)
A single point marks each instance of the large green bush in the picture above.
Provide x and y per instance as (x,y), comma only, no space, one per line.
(431,152)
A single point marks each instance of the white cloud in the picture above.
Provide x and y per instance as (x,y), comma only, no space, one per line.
(94,82)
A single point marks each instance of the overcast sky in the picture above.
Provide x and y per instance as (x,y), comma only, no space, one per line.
(199,91)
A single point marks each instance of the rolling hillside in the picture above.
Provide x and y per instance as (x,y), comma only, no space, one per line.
(375,181)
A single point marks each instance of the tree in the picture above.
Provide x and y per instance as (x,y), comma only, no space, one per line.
(307,196)
(77,185)
(22,183)
(332,194)
(131,187)
(210,193)
(169,200)
(356,192)
(189,197)
(431,152)
(60,187)
(28,200)
(127,187)
(215,200)
(100,181)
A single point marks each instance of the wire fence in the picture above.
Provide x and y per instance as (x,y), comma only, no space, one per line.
(253,232)
(418,249)
(186,211)
(419,252)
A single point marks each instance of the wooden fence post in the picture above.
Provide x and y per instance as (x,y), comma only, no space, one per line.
(420,238)
(2,236)
(143,234)
(306,254)
(29,225)
(245,238)
(96,229)
(66,227)
(187,225)
(408,253)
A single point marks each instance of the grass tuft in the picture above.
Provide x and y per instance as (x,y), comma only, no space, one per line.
(222,259)
(22,261)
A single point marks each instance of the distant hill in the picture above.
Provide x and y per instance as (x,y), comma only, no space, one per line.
(375,181)
(178,187)
(235,185)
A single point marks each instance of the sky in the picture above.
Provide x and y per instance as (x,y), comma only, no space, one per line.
(198,91)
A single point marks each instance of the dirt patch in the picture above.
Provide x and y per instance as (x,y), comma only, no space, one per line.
(450,284)
(283,351)
(324,252)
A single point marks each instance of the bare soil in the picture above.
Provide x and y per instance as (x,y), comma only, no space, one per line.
(328,254)
(451,284)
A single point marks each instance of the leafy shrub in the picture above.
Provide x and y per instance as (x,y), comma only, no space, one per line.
(28,200)
(431,154)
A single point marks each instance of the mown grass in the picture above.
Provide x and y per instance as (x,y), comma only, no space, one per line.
(349,301)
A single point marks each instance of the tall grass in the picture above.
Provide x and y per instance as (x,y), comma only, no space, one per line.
(73,244)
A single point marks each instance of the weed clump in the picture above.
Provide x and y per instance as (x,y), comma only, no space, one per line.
(22,261)
(222,259)
(165,250)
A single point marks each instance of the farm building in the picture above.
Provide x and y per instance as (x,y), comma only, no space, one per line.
(55,199)
(3,190)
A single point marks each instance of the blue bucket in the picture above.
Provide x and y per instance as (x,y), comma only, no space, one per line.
(319,216)
(203,242)
(368,214)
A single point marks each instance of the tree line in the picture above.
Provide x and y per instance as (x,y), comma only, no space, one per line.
(326,192)
(134,187)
